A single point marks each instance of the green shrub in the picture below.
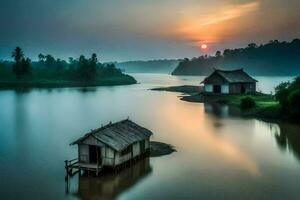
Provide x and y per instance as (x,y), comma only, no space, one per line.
(247,103)
(294,103)
(281,94)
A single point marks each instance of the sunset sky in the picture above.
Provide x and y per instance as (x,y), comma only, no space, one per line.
(142,29)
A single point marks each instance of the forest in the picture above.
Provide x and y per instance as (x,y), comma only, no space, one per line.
(165,66)
(272,59)
(54,72)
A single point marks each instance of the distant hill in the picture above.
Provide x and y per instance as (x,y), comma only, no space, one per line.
(272,59)
(151,66)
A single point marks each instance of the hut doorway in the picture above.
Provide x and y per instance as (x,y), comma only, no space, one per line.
(217,89)
(143,146)
(243,89)
(95,154)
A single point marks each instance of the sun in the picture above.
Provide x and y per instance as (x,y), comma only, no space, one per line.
(204,46)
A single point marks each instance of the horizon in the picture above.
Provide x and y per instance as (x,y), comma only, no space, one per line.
(35,59)
(128,30)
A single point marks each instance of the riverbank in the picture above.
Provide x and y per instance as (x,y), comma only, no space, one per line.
(186,89)
(52,83)
(266,106)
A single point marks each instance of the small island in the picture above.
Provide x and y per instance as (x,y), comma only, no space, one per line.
(227,87)
(49,72)
(158,149)
(264,106)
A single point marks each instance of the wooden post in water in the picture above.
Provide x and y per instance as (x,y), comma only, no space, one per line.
(97,148)
(67,177)
(67,167)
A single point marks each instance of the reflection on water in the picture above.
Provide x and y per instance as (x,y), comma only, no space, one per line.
(221,110)
(219,155)
(87,89)
(223,146)
(109,186)
(287,137)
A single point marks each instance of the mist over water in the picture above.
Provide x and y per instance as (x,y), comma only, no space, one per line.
(219,155)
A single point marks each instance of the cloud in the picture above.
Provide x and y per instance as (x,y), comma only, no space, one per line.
(209,25)
(136,29)
(231,12)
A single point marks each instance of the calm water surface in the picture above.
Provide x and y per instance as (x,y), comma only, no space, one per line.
(220,156)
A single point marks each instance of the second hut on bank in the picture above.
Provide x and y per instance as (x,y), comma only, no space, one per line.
(112,145)
(229,82)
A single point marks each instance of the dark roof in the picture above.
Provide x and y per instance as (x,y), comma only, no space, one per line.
(118,135)
(233,76)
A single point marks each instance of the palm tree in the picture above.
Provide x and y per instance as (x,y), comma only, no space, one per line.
(18,54)
(21,66)
(94,58)
(41,57)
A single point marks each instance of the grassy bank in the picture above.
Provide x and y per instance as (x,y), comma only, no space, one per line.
(58,83)
(187,89)
(265,105)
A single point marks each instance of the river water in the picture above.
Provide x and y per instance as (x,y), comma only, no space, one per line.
(219,155)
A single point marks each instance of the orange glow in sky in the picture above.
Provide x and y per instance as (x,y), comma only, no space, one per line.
(214,25)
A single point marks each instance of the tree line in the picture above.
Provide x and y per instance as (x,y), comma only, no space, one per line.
(288,96)
(273,58)
(149,66)
(49,68)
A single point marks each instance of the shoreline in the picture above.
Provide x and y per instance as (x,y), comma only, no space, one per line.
(266,108)
(186,89)
(62,84)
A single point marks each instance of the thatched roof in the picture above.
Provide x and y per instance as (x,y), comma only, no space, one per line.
(232,76)
(117,135)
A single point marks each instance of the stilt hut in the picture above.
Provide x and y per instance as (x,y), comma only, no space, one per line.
(111,146)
